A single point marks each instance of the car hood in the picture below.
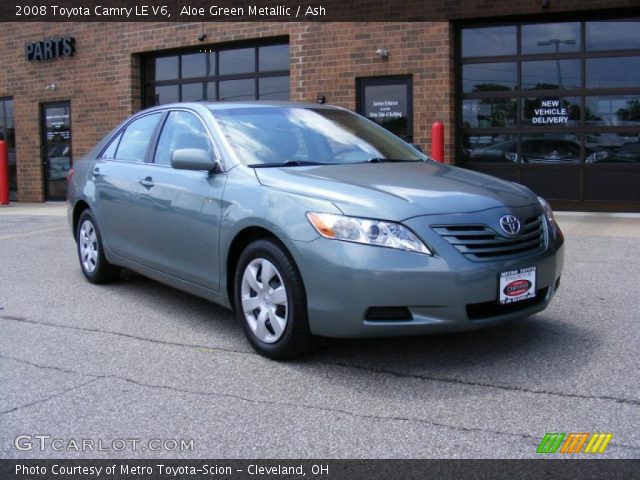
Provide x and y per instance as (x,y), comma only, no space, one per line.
(397,191)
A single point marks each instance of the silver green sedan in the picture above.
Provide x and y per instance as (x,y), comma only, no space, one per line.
(310,221)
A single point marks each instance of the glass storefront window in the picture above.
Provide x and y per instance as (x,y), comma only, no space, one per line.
(166,94)
(550,149)
(490,148)
(192,92)
(273,88)
(551,75)
(551,38)
(273,57)
(613,35)
(489,41)
(211,91)
(235,90)
(489,112)
(610,147)
(194,65)
(247,73)
(613,110)
(242,60)
(164,68)
(558,111)
(489,77)
(613,72)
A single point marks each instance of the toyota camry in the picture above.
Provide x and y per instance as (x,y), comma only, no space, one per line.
(309,220)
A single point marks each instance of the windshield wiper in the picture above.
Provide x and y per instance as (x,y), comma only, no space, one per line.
(384,160)
(288,163)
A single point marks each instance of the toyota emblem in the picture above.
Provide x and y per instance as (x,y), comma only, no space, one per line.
(510,224)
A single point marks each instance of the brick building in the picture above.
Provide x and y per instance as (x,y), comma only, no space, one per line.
(544,93)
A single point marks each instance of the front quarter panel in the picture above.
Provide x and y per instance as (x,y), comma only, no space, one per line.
(248,204)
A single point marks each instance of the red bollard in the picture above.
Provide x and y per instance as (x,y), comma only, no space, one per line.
(437,142)
(4,173)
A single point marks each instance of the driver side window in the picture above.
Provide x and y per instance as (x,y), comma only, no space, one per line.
(181,130)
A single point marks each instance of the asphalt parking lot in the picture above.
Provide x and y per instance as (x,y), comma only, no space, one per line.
(138,360)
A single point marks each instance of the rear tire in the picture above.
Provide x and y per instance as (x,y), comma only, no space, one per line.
(270,301)
(93,262)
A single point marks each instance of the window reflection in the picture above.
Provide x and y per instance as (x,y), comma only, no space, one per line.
(489,112)
(491,41)
(165,94)
(489,77)
(273,57)
(192,92)
(490,148)
(613,72)
(234,90)
(608,147)
(551,38)
(551,74)
(242,60)
(273,88)
(194,65)
(613,35)
(613,110)
(166,68)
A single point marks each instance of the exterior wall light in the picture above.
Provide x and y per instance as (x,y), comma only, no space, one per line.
(382,53)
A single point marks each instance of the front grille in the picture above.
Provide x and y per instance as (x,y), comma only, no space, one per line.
(479,311)
(482,243)
(381,314)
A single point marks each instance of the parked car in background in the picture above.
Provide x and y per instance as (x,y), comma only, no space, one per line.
(627,153)
(536,150)
(310,220)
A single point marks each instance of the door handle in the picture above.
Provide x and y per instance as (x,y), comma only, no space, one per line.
(96,172)
(147,182)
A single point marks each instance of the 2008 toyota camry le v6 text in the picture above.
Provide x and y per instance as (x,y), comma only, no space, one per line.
(309,221)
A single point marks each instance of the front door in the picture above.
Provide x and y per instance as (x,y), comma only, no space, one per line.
(56,148)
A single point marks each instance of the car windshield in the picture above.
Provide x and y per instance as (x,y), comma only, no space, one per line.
(297,136)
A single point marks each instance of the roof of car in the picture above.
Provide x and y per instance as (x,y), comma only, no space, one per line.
(244,104)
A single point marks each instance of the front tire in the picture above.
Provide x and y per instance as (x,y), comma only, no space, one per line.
(270,301)
(93,262)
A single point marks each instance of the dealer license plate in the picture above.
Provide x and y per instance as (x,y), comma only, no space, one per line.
(517,285)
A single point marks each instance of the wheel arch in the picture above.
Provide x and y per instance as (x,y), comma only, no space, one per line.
(242,239)
(78,208)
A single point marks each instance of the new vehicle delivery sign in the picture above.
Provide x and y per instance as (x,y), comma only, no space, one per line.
(550,112)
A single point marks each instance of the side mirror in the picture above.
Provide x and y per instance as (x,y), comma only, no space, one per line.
(194,159)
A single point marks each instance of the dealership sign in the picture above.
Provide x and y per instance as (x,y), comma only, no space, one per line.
(50,49)
(549,113)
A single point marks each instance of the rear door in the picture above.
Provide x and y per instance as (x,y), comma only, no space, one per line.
(116,176)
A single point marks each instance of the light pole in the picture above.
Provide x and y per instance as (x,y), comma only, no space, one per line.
(556,43)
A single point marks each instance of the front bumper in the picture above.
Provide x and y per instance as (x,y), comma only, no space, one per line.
(446,292)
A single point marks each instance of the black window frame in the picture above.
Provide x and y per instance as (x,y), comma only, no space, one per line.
(216,77)
(518,171)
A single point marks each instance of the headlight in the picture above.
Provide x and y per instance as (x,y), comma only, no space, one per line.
(547,208)
(370,232)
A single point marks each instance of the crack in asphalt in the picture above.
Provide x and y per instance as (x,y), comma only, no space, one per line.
(394,373)
(121,334)
(393,418)
(417,376)
(50,397)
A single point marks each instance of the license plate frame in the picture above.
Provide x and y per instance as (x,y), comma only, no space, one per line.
(517,285)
